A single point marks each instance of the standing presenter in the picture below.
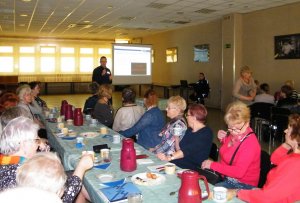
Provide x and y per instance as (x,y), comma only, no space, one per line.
(101,74)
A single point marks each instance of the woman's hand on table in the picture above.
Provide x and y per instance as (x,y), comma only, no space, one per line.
(206,164)
(162,157)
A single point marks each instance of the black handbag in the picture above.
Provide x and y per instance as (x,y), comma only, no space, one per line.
(214,177)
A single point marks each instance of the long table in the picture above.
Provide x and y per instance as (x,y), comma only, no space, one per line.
(70,156)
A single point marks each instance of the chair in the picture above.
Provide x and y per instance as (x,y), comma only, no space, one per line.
(260,114)
(214,152)
(279,122)
(265,167)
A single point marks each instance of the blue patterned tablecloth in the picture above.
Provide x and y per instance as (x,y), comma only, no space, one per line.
(70,156)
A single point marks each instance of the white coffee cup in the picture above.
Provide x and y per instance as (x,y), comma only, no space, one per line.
(170,168)
(94,121)
(88,117)
(105,155)
(51,115)
(79,140)
(220,194)
(116,139)
(89,152)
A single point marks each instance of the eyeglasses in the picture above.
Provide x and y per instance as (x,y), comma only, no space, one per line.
(187,115)
(103,61)
(169,108)
(236,129)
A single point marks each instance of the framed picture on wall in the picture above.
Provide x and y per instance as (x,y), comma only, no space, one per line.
(287,46)
(201,53)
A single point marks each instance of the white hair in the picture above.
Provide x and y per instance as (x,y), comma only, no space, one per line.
(22,90)
(27,194)
(16,131)
(44,171)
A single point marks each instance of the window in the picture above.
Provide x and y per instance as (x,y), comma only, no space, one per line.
(6,64)
(27,65)
(171,55)
(67,50)
(26,50)
(6,49)
(47,64)
(86,64)
(67,64)
(86,51)
(48,50)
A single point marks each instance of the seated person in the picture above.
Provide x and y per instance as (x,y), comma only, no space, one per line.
(196,143)
(244,171)
(287,101)
(201,89)
(283,181)
(175,129)
(103,111)
(129,113)
(19,142)
(150,124)
(264,95)
(90,103)
(35,90)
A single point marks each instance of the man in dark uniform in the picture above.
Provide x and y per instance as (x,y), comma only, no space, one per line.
(101,74)
(201,90)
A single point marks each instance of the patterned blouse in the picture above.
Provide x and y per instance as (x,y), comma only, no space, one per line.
(8,180)
(167,145)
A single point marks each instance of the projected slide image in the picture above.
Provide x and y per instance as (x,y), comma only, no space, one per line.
(138,68)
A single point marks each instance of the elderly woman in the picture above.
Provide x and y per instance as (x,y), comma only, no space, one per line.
(175,129)
(283,181)
(129,113)
(196,143)
(18,142)
(35,90)
(90,103)
(244,89)
(240,140)
(103,111)
(149,125)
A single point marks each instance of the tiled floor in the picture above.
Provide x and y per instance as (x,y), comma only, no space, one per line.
(215,118)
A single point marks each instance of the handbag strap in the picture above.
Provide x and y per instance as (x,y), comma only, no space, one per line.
(239,147)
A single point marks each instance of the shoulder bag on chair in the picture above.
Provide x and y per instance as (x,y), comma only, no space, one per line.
(214,177)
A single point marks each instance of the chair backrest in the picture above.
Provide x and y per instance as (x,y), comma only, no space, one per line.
(214,152)
(265,167)
(279,118)
(261,110)
(184,83)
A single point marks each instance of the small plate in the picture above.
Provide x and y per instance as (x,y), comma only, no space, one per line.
(89,134)
(142,179)
(68,138)
(106,177)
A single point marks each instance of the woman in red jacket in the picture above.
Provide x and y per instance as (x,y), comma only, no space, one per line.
(243,172)
(283,181)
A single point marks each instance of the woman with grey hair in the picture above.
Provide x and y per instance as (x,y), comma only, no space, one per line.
(24,93)
(18,142)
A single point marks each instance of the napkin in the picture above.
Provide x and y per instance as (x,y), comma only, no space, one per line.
(102,166)
(144,161)
(114,183)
